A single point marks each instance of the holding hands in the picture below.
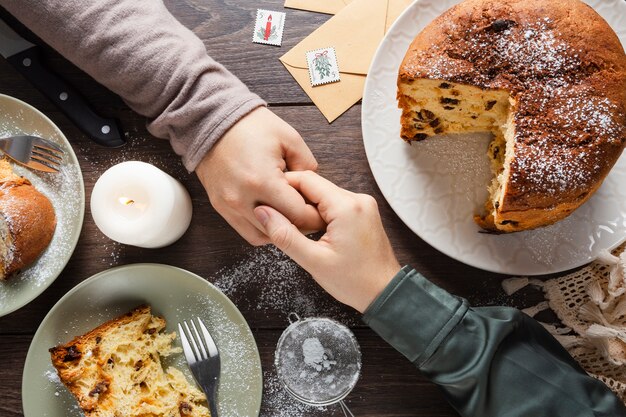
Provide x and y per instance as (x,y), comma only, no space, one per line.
(260,178)
(246,168)
(353,260)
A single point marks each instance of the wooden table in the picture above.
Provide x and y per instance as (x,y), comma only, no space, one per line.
(389,384)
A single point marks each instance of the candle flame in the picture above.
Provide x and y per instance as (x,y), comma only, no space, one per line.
(125,201)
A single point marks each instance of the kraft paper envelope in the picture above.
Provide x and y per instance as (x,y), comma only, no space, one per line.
(320,6)
(355,33)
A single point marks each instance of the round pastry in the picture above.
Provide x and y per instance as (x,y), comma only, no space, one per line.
(27,222)
(548,78)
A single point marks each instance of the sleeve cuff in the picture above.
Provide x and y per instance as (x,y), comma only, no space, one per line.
(236,112)
(414,315)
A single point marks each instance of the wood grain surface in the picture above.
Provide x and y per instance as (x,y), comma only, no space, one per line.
(389,384)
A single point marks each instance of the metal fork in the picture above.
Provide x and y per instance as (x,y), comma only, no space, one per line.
(33,152)
(203,359)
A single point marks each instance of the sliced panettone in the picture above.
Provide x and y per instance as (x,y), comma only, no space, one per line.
(548,79)
(115,370)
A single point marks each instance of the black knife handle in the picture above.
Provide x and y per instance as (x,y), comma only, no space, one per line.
(105,132)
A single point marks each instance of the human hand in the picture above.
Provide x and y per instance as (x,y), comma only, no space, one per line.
(246,168)
(353,260)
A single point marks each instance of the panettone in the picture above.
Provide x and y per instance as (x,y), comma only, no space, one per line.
(548,78)
(115,370)
(27,222)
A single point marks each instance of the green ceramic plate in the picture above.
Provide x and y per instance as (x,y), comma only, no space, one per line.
(173,293)
(66,192)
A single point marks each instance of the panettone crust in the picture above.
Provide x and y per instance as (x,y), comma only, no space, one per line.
(29,218)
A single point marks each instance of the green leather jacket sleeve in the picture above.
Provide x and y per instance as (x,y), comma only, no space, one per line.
(490,361)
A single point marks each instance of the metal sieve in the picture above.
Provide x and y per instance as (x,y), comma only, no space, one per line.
(318,361)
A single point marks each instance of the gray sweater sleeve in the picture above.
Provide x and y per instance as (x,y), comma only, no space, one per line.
(138,50)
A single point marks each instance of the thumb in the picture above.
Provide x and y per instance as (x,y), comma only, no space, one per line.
(286,237)
(298,156)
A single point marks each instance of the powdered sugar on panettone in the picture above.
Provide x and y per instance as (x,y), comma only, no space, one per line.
(568,125)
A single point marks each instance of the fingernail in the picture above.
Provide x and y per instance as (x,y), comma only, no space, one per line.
(261,215)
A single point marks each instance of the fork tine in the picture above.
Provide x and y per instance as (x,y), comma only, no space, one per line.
(45,161)
(212,347)
(45,151)
(45,157)
(45,143)
(189,355)
(201,346)
(39,166)
(192,342)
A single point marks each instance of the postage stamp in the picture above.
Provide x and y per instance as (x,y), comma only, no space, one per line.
(268,28)
(323,66)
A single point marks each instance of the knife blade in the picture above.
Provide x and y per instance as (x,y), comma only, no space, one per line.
(24,57)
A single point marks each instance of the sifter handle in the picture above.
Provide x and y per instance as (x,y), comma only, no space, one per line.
(293,317)
(345,409)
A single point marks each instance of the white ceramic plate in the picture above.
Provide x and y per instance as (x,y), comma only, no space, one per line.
(173,293)
(435,187)
(64,189)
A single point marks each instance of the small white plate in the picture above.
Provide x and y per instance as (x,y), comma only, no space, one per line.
(64,189)
(436,188)
(174,294)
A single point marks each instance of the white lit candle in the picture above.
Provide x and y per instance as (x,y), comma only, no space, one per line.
(138,204)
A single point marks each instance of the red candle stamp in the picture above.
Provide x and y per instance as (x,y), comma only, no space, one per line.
(268,28)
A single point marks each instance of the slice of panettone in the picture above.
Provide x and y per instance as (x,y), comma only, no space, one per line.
(115,370)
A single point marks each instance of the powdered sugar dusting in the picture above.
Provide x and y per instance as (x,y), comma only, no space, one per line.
(278,403)
(540,55)
(531,51)
(267,280)
(65,192)
(139,146)
(55,380)
(571,152)
(52,376)
(591,115)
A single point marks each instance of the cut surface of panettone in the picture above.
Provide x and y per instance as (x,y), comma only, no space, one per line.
(548,80)
(115,370)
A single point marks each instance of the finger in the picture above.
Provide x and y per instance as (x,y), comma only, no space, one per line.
(286,237)
(314,187)
(298,156)
(253,234)
(290,203)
